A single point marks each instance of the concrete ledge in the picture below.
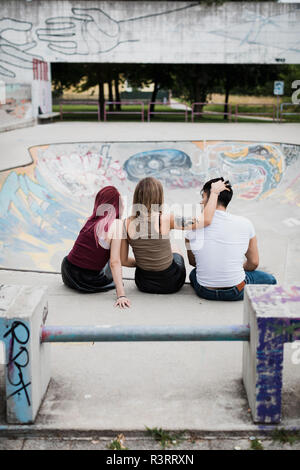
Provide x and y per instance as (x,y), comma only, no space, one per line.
(30,122)
(120,386)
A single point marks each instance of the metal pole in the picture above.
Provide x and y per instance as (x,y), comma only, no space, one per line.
(103,333)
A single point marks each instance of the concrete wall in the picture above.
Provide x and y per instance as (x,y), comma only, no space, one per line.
(146,32)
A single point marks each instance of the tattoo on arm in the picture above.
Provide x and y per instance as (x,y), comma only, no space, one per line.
(184,222)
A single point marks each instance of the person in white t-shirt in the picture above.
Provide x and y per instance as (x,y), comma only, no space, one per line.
(225,253)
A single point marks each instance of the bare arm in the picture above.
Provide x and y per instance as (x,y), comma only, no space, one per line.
(125,259)
(252,256)
(116,269)
(191,223)
(190,254)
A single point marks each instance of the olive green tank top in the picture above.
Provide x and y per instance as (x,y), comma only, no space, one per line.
(152,251)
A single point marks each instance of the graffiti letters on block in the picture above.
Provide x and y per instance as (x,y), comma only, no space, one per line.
(17,338)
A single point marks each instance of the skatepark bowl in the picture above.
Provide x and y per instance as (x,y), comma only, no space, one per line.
(44,204)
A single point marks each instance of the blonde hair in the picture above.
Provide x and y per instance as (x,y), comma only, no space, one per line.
(149,191)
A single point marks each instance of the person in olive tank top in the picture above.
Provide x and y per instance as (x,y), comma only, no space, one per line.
(160,267)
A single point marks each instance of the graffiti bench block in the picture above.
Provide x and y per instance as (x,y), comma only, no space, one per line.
(273,313)
(270,312)
(23,311)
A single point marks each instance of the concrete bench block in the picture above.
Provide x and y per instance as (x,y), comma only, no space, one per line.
(47,117)
(23,311)
(273,313)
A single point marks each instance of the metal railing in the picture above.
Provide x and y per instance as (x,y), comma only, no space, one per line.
(175,111)
(271,113)
(75,102)
(282,113)
(100,333)
(141,112)
(233,111)
(200,113)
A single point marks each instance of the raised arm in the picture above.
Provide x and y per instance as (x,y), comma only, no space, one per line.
(210,207)
(191,223)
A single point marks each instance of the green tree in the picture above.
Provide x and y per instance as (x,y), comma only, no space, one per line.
(65,75)
(194,82)
(246,78)
(140,75)
(84,76)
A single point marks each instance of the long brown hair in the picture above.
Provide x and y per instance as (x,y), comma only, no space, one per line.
(149,191)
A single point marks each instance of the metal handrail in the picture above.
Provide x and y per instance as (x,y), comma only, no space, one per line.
(124,112)
(185,112)
(196,113)
(267,113)
(85,102)
(103,333)
(282,113)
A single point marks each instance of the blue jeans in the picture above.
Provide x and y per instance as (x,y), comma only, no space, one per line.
(252,277)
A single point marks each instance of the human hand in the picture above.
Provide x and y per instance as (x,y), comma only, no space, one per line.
(15,54)
(122,302)
(219,186)
(86,31)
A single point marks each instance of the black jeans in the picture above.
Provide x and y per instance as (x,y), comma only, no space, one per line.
(168,281)
(86,281)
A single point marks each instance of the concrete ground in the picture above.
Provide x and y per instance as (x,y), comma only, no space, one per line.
(124,387)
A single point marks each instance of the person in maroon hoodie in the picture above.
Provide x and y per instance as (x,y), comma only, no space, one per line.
(93,264)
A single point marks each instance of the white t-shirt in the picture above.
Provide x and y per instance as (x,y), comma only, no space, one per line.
(219,249)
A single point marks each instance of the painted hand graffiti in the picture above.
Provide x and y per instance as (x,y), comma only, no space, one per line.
(258,36)
(14,46)
(87,31)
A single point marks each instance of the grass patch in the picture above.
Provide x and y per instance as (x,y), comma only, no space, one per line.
(256,444)
(165,438)
(118,443)
(286,437)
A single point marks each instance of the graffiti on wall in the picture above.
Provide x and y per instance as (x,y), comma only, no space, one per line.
(44,205)
(17,103)
(17,338)
(86,31)
(123,32)
(256,29)
(253,169)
